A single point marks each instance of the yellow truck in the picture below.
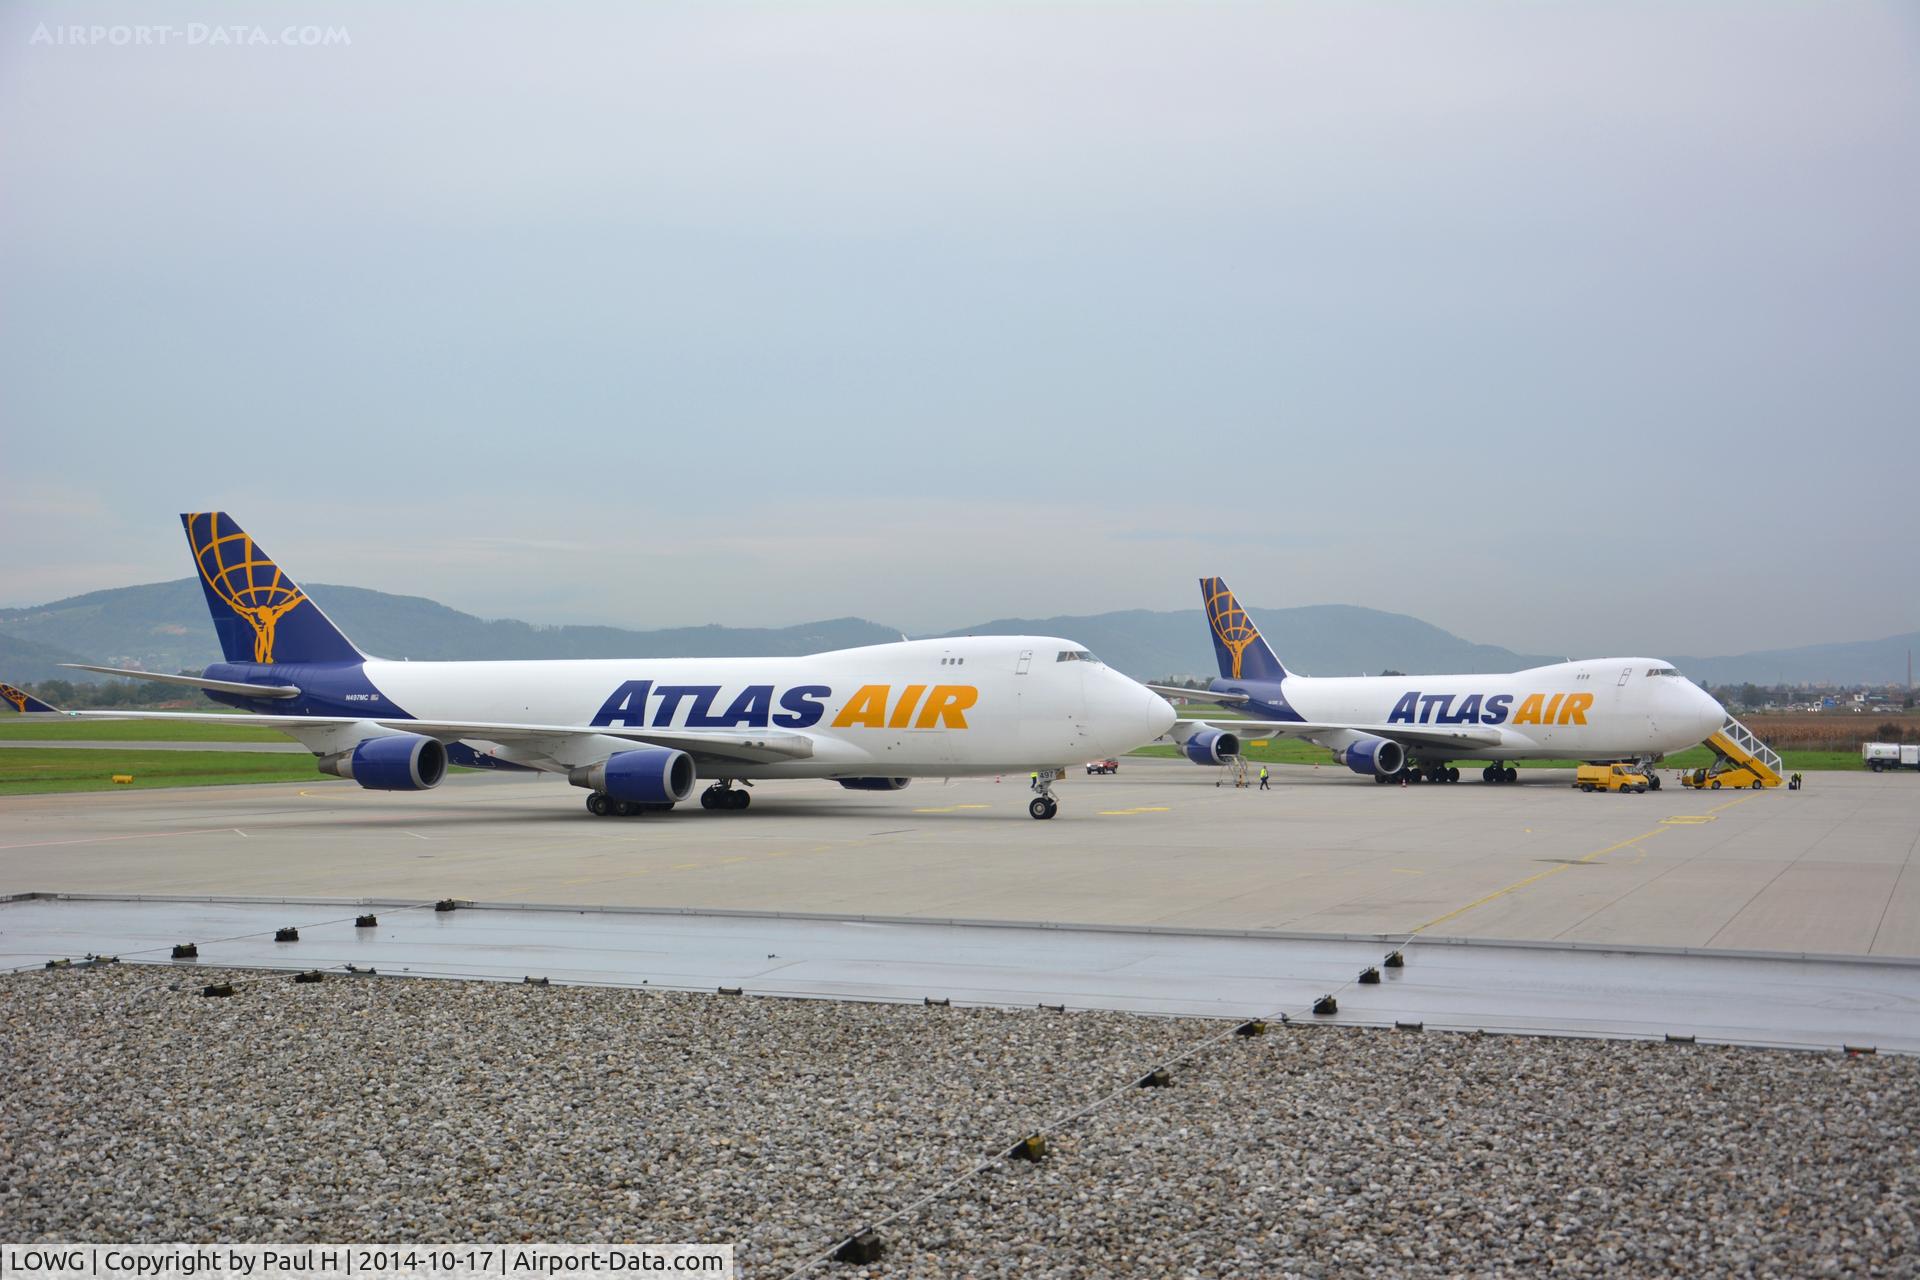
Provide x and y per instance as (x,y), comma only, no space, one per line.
(1609,777)
(1732,776)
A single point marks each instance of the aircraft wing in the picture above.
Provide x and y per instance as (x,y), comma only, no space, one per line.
(758,746)
(1426,737)
(1200,695)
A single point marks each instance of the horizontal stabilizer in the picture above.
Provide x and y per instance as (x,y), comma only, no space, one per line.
(197,682)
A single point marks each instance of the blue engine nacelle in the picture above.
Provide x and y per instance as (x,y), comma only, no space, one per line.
(403,762)
(1211,746)
(644,775)
(874,784)
(1380,757)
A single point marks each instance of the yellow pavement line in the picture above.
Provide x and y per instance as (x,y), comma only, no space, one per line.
(1127,813)
(1535,879)
(1729,804)
(1687,819)
(954,808)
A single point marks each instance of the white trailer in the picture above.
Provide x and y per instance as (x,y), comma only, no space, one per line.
(1881,756)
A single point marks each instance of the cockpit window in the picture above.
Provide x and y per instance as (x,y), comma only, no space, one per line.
(1662,671)
(1075,655)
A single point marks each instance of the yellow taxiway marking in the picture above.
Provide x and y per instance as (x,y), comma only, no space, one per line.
(1518,885)
(1687,819)
(1407,871)
(1127,813)
(953,808)
(1729,804)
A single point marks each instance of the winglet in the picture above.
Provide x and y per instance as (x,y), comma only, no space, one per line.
(26,704)
(1242,652)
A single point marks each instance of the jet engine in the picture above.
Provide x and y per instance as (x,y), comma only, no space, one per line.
(645,775)
(1380,757)
(403,762)
(1211,746)
(874,784)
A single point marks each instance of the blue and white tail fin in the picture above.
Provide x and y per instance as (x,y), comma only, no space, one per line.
(1242,652)
(25,703)
(260,614)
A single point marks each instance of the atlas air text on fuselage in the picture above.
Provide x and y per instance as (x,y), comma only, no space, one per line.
(642,704)
(1474,708)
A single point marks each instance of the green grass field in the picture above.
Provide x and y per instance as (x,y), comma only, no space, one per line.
(20,729)
(25,771)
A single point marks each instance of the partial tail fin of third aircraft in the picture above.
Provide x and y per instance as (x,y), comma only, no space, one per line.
(25,703)
(1242,651)
(260,614)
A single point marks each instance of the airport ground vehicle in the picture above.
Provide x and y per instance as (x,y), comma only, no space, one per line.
(1610,777)
(1724,775)
(1881,756)
(1108,765)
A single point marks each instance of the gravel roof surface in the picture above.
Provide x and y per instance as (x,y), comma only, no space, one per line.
(367,1109)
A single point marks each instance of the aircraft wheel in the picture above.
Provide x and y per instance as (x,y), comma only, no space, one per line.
(1486,774)
(737,800)
(1453,774)
(597,805)
(710,798)
(620,809)
(1510,775)
(1040,808)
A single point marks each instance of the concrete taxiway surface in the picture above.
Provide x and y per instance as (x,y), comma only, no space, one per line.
(1828,870)
(1716,997)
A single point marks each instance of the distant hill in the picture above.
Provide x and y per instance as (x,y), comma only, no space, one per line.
(1857,662)
(1315,640)
(163,626)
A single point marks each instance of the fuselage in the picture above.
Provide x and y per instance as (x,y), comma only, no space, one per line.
(924,708)
(1597,709)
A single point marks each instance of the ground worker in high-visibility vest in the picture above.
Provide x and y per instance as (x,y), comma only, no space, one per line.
(1263,779)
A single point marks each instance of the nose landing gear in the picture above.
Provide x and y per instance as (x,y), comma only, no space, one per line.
(1043,805)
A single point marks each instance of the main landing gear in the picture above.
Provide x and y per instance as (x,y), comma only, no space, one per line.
(723,795)
(1043,805)
(1499,773)
(1425,772)
(602,805)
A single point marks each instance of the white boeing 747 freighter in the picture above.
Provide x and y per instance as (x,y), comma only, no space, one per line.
(1413,727)
(636,733)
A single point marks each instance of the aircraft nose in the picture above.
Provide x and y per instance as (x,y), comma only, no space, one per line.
(1158,714)
(1707,715)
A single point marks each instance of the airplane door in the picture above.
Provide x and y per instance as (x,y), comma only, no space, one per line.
(1026,660)
(1624,673)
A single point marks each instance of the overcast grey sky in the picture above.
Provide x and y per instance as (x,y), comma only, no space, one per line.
(1573,327)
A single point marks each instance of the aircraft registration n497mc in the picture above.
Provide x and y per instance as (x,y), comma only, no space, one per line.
(1598,710)
(637,733)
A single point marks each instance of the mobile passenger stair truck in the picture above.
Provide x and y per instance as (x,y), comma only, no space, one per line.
(1741,762)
